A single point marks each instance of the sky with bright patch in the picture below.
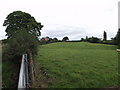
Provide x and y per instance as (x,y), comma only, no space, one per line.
(73,18)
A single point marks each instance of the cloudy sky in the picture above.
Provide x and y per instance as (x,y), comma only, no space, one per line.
(72,18)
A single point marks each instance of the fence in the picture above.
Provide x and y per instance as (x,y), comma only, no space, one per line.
(23,75)
(118,50)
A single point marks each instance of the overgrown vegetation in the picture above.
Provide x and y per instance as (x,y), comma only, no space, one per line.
(22,42)
(10,74)
(22,30)
(78,65)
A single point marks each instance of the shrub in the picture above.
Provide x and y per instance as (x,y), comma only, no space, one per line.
(21,43)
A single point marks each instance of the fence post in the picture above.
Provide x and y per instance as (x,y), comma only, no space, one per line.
(31,68)
(118,50)
(26,70)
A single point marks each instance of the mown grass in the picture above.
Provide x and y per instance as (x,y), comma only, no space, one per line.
(79,64)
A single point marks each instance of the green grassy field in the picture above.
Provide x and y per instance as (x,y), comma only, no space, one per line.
(79,64)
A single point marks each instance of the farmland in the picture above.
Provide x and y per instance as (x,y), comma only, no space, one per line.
(78,65)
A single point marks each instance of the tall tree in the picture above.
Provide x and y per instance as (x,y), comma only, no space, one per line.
(65,38)
(19,20)
(55,39)
(22,31)
(104,36)
(118,38)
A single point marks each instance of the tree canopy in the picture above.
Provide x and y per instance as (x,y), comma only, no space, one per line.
(104,36)
(23,42)
(118,38)
(19,20)
(91,39)
(22,31)
(65,38)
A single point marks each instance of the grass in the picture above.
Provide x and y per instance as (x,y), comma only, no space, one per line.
(10,71)
(79,64)
(10,75)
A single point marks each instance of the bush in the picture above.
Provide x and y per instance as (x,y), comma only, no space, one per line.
(92,39)
(22,42)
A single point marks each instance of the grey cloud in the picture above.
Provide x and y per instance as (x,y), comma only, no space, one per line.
(74,33)
(60,31)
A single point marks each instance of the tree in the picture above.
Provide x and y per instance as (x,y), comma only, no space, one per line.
(22,42)
(93,39)
(118,38)
(55,39)
(82,39)
(114,40)
(65,38)
(104,36)
(4,41)
(87,38)
(19,20)
(22,31)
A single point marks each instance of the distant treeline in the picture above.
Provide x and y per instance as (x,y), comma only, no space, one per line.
(113,41)
(47,40)
(92,39)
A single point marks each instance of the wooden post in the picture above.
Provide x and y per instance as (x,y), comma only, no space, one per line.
(118,50)
(31,68)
